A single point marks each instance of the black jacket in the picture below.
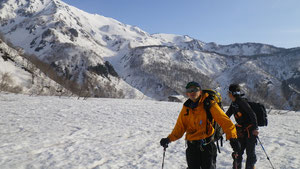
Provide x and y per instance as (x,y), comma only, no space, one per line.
(243,113)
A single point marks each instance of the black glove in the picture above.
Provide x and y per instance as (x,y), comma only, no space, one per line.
(164,142)
(236,146)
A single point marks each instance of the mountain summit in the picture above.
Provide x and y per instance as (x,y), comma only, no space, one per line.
(95,56)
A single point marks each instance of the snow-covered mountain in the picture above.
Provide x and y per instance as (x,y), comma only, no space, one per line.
(19,75)
(101,57)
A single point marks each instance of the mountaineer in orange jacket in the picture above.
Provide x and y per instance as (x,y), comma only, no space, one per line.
(192,120)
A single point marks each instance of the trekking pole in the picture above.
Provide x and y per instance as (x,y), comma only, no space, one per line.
(164,157)
(265,152)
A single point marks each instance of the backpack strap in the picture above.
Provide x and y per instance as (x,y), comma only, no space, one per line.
(207,106)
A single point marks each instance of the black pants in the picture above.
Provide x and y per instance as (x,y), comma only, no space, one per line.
(204,158)
(248,144)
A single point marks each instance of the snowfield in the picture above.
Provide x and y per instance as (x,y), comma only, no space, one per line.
(66,133)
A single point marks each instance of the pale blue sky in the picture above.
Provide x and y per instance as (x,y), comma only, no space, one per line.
(275,22)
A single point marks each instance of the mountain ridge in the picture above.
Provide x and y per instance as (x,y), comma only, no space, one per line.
(106,58)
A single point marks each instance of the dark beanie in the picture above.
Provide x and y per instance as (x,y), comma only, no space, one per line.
(235,89)
(190,84)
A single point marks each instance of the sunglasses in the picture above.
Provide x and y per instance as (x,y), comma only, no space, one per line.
(192,90)
(234,93)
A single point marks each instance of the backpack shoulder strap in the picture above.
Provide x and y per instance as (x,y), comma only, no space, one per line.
(207,105)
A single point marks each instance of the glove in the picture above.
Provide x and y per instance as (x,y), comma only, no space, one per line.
(255,132)
(236,146)
(164,142)
(234,155)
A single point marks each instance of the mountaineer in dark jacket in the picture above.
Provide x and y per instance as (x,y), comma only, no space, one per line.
(247,129)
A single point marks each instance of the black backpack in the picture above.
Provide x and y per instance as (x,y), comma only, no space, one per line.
(216,96)
(261,113)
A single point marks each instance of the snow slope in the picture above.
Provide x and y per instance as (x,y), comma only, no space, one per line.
(52,132)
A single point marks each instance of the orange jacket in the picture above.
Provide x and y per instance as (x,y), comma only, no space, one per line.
(194,122)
